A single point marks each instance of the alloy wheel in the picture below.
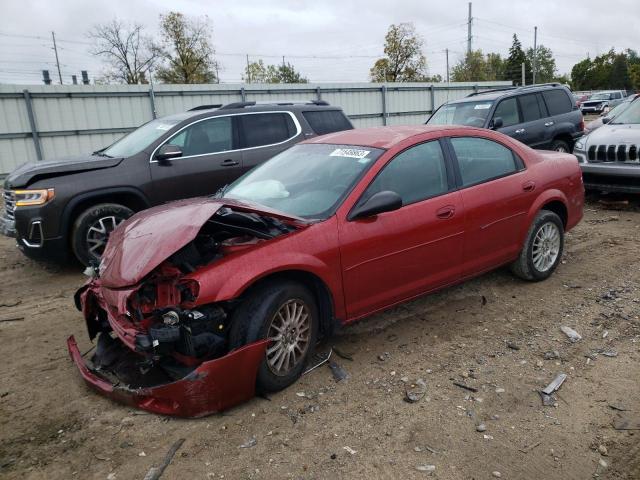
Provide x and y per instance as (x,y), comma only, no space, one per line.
(98,234)
(290,330)
(546,246)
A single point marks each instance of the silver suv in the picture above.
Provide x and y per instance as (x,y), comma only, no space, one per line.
(602,101)
(610,156)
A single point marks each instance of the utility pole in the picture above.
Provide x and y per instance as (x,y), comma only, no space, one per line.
(523,77)
(447,54)
(535,53)
(55,49)
(283,61)
(470,20)
(248,70)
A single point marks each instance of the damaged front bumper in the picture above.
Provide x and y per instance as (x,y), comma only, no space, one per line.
(213,386)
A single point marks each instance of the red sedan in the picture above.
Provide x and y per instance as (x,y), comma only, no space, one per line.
(198,303)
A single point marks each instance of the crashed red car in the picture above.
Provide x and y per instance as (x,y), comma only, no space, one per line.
(198,303)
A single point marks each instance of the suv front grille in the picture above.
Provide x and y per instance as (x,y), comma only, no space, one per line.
(614,153)
(9,204)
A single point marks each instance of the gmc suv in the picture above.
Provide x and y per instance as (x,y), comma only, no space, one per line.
(58,207)
(542,116)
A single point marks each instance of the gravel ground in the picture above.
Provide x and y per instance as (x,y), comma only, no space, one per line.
(495,334)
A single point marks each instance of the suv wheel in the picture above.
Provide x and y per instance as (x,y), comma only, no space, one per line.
(92,228)
(560,146)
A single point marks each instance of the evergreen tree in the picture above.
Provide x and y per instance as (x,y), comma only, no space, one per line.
(513,64)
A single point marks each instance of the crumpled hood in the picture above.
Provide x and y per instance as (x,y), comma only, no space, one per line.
(614,135)
(33,171)
(149,237)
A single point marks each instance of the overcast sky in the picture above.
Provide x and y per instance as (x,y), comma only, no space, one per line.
(325,40)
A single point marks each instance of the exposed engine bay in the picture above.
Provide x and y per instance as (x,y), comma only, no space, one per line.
(156,332)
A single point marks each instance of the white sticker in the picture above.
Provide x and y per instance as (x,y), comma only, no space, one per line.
(163,126)
(155,343)
(482,106)
(349,153)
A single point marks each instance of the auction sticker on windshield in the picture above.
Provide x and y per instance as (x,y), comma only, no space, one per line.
(349,153)
(482,106)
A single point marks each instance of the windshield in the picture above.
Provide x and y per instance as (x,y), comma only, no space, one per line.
(473,114)
(140,138)
(618,109)
(631,114)
(307,181)
(600,96)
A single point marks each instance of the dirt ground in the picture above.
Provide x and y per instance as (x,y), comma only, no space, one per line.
(491,333)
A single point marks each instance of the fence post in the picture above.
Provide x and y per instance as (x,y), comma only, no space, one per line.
(432,94)
(32,123)
(383,91)
(318,94)
(152,99)
(242,94)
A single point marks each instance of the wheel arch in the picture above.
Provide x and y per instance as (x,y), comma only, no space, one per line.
(314,283)
(553,200)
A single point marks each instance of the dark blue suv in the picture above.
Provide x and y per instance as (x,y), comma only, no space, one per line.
(542,116)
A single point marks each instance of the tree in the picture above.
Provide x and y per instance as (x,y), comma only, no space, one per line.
(475,67)
(619,76)
(404,60)
(129,54)
(496,66)
(580,78)
(187,50)
(545,64)
(513,64)
(258,72)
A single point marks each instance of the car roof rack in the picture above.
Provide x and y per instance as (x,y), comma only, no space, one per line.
(205,107)
(525,87)
(235,105)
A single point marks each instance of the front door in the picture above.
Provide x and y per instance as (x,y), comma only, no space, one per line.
(210,159)
(395,255)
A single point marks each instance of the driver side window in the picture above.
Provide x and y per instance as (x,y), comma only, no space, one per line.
(208,136)
(415,174)
(508,111)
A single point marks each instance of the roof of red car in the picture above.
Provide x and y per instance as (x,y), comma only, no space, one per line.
(380,137)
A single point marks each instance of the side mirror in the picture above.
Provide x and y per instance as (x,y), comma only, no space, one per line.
(166,152)
(606,120)
(496,123)
(380,202)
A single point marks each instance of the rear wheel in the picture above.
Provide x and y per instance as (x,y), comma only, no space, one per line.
(560,146)
(542,249)
(92,228)
(286,312)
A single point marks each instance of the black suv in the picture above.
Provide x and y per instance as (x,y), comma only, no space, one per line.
(57,207)
(542,116)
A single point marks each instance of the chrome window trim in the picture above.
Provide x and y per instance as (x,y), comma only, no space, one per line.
(293,117)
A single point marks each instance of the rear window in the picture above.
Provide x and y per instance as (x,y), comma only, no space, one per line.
(327,121)
(260,129)
(557,101)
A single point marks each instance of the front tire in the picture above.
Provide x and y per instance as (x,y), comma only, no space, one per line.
(287,312)
(542,250)
(92,228)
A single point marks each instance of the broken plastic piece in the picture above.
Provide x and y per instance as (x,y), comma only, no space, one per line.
(571,333)
(555,384)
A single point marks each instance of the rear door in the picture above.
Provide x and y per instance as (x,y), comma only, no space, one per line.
(496,192)
(265,134)
(395,255)
(210,159)
(534,132)
(563,115)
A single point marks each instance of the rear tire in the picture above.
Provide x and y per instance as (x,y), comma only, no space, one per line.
(92,228)
(560,146)
(542,250)
(263,314)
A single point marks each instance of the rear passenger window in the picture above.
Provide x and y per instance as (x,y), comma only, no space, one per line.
(508,111)
(557,101)
(327,121)
(480,159)
(416,174)
(266,128)
(530,108)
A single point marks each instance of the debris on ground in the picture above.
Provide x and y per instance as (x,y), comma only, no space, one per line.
(555,384)
(623,422)
(342,354)
(481,427)
(339,373)
(350,450)
(155,473)
(571,333)
(317,360)
(252,442)
(552,355)
(466,387)
(426,468)
(415,391)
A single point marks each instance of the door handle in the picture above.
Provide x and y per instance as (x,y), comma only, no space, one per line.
(520,130)
(529,186)
(548,124)
(446,212)
(229,163)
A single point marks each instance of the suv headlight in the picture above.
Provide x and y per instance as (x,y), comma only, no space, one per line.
(581,144)
(29,198)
